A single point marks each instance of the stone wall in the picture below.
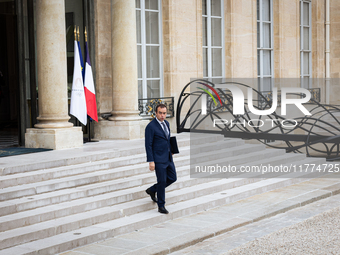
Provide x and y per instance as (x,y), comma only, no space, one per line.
(182,44)
(286,39)
(103,56)
(240,38)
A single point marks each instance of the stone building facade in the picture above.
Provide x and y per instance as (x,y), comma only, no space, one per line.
(152,48)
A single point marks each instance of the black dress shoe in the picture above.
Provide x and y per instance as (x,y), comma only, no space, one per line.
(152,195)
(163,210)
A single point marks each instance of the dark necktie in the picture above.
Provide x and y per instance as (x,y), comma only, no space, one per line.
(165,129)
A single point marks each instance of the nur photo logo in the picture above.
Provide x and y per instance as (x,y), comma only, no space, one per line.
(238,99)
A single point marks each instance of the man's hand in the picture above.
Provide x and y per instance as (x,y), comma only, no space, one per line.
(152,166)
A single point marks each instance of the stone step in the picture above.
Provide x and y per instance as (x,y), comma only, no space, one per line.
(73,170)
(227,227)
(330,126)
(240,152)
(32,202)
(281,159)
(106,175)
(46,212)
(258,153)
(327,128)
(326,133)
(86,204)
(57,197)
(66,199)
(66,241)
(52,159)
(202,186)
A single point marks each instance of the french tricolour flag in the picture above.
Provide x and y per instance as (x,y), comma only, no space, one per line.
(90,93)
(78,102)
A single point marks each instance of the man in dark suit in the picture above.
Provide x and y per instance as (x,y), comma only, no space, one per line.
(159,156)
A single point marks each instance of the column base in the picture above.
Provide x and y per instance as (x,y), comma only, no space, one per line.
(120,130)
(56,139)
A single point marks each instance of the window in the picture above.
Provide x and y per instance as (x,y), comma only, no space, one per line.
(149,48)
(305,43)
(265,58)
(213,39)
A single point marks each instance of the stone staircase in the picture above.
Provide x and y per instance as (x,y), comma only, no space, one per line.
(58,204)
(329,128)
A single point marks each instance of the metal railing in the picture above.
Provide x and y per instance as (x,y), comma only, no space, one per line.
(147,106)
(316,134)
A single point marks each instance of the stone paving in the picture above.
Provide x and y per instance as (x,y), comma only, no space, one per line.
(311,229)
(192,231)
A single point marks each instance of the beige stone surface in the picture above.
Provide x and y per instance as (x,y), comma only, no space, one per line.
(116,75)
(124,72)
(56,139)
(116,62)
(51,64)
(120,130)
(335,38)
(240,39)
(103,55)
(318,39)
(53,130)
(143,125)
(286,39)
(182,46)
(124,53)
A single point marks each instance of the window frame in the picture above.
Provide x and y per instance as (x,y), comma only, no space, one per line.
(261,48)
(144,45)
(302,40)
(209,46)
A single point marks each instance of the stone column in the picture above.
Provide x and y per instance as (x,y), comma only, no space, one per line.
(53,130)
(124,64)
(125,122)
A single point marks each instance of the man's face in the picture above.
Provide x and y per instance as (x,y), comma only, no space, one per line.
(161,113)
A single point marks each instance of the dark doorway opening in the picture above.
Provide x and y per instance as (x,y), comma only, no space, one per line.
(18,93)
(9,89)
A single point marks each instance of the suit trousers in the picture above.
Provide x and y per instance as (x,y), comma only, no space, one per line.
(166,175)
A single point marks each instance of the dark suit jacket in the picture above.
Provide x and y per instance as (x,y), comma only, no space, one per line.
(157,145)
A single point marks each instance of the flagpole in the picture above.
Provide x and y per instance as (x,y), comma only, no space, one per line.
(89,90)
(89,119)
(78,34)
(85,35)
(75,38)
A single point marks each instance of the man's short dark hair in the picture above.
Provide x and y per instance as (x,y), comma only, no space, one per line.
(160,106)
